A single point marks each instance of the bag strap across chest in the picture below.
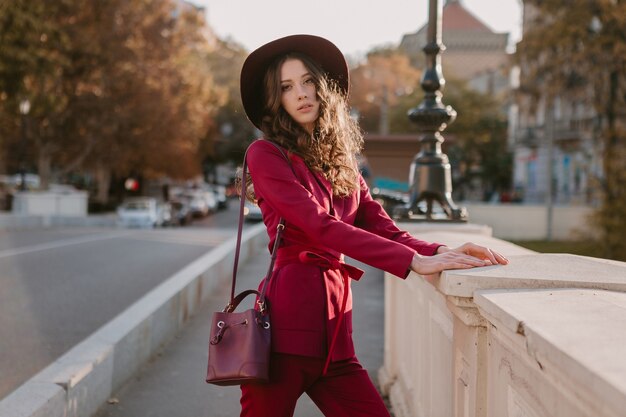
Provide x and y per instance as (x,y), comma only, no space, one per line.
(234,301)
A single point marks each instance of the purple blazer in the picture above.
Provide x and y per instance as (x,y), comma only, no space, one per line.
(310,283)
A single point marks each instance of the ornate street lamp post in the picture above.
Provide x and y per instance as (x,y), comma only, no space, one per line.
(430,176)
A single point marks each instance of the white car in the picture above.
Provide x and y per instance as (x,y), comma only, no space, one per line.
(211,200)
(140,212)
(252,212)
(219,191)
(198,203)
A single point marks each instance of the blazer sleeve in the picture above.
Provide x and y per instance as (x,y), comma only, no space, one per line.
(276,185)
(373,218)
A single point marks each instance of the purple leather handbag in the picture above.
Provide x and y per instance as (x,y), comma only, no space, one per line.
(240,342)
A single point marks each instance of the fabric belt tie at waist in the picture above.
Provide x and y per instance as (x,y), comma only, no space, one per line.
(347,272)
(297,255)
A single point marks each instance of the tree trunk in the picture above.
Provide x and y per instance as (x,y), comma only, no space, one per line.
(3,160)
(44,162)
(103,181)
(613,207)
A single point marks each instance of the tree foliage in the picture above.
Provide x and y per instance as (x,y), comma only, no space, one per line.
(579,52)
(382,80)
(479,153)
(115,87)
(480,149)
(231,131)
(476,142)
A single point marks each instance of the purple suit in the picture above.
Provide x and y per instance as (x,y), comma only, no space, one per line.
(310,284)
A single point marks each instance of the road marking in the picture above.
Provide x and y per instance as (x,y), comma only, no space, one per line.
(59,244)
(182,239)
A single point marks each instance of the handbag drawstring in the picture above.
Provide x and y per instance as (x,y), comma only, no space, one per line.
(223,326)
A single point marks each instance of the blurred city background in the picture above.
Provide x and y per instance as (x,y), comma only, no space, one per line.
(127,99)
(124,118)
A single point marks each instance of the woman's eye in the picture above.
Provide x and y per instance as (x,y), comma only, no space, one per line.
(308,81)
(285,87)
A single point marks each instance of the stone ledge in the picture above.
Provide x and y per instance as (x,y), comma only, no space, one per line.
(531,357)
(537,271)
(577,336)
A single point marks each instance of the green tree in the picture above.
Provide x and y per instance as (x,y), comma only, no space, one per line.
(34,52)
(155,94)
(115,87)
(379,83)
(579,52)
(476,142)
(231,131)
(478,152)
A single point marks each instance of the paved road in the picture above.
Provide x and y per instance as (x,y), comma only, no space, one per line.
(58,286)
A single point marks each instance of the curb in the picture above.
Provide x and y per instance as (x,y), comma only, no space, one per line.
(83,379)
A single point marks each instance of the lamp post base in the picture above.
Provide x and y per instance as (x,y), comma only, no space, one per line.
(415,214)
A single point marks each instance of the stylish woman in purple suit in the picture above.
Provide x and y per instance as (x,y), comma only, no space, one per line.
(294,90)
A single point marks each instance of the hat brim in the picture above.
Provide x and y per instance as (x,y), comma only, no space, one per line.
(319,49)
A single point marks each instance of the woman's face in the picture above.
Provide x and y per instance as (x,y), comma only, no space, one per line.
(298,93)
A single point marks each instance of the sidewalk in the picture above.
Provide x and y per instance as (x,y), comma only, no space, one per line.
(172,385)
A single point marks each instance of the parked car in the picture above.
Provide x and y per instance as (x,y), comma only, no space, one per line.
(141,212)
(198,203)
(165,212)
(211,200)
(181,212)
(252,212)
(219,191)
(389,198)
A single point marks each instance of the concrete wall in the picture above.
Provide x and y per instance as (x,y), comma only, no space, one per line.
(530,222)
(51,203)
(541,337)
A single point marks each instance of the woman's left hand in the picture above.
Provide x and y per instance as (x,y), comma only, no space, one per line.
(477,251)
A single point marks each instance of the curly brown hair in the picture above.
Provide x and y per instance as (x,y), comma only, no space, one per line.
(336,139)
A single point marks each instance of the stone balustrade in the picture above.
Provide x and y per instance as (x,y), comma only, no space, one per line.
(544,336)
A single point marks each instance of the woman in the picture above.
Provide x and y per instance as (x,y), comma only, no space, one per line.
(294,90)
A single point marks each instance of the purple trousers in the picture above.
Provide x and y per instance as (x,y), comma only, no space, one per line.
(345,391)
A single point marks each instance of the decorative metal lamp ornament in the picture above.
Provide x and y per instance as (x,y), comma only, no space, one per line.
(430,175)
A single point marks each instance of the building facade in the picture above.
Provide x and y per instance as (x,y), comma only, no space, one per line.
(474,53)
(555,144)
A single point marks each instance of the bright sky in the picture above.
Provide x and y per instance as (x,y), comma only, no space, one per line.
(353,25)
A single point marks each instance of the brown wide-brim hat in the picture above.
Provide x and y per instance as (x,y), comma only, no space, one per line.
(321,50)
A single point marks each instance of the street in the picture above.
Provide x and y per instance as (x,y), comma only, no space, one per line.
(57,286)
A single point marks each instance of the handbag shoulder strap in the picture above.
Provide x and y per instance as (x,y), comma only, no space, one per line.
(279,232)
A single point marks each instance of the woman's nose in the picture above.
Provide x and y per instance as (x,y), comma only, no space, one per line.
(301,92)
